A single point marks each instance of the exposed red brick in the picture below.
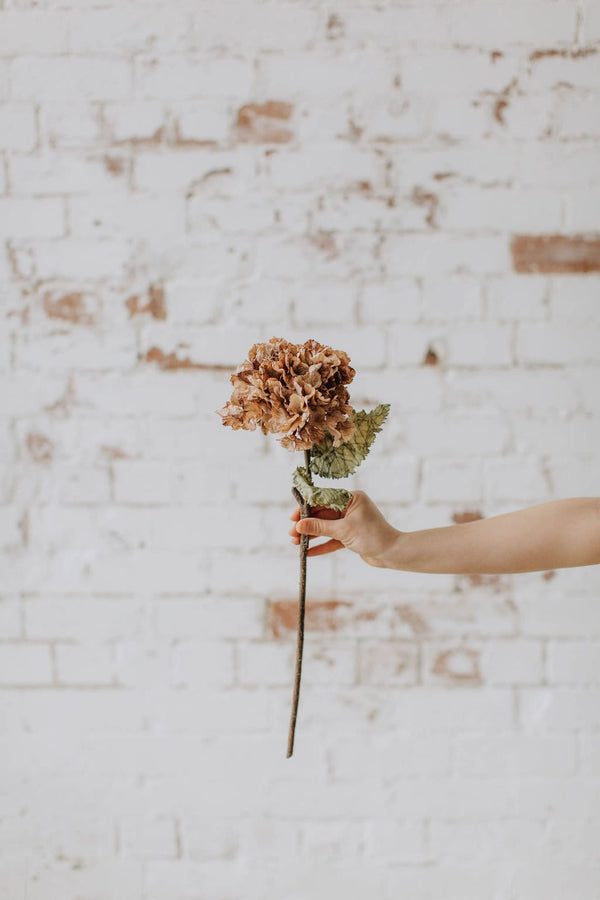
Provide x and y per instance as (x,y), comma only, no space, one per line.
(467,516)
(170,361)
(477,579)
(574,53)
(113,452)
(180,141)
(320,615)
(40,447)
(23,525)
(335,27)
(325,241)
(62,407)
(355,131)
(21,260)
(114,164)
(431,358)
(152,140)
(411,617)
(502,102)
(430,201)
(69,307)
(255,122)
(459,664)
(155,306)
(556,253)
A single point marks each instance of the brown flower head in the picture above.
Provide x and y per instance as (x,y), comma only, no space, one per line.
(295,390)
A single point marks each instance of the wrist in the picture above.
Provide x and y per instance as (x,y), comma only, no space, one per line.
(394,554)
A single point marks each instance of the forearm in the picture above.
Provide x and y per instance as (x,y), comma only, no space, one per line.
(553,535)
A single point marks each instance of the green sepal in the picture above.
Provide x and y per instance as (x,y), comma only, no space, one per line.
(338,462)
(334,498)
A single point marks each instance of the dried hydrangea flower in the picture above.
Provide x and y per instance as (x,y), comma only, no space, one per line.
(297,391)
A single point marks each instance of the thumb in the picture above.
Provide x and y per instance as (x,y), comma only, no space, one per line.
(327,527)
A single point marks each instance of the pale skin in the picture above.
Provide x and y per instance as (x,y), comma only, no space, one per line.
(553,535)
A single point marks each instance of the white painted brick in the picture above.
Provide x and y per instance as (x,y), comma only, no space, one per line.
(581,210)
(453,71)
(449,481)
(18,129)
(32,31)
(77,78)
(508,839)
(501,209)
(578,115)
(69,125)
(556,164)
(441,254)
(79,485)
(561,709)
(489,662)
(527,116)
(510,298)
(210,617)
(178,77)
(145,393)
(591,22)
(389,302)
(10,529)
(123,31)
(40,218)
(580,72)
(10,618)
(87,664)
(61,173)
(479,345)
(522,755)
(81,618)
(518,481)
(449,298)
(417,388)
(159,216)
(324,165)
(148,838)
(530,23)
(202,662)
(553,344)
(262,663)
(590,754)
(325,304)
(25,664)
(450,435)
(77,260)
(573,662)
(142,482)
(329,73)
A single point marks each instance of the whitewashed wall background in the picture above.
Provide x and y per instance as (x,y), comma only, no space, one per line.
(416,184)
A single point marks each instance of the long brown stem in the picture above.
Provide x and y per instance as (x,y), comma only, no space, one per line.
(304,513)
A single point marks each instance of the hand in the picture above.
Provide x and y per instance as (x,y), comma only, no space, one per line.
(361,527)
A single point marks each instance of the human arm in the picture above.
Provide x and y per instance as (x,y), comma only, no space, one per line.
(553,535)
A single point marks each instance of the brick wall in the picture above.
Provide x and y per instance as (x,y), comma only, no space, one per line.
(416,184)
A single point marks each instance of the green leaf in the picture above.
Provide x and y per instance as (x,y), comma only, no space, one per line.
(338,462)
(334,498)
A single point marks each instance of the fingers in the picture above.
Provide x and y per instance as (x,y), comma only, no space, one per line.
(326,547)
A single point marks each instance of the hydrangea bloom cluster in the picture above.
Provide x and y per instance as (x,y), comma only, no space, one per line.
(297,391)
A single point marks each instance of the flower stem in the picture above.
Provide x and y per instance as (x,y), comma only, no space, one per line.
(304,513)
